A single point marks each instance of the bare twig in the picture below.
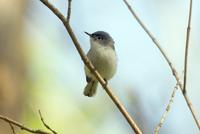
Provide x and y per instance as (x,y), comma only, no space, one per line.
(186,48)
(69,10)
(15,123)
(12,128)
(174,72)
(92,69)
(186,63)
(194,114)
(166,110)
(47,126)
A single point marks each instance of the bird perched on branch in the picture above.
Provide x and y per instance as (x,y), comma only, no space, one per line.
(103,56)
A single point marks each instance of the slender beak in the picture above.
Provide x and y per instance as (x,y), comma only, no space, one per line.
(88,34)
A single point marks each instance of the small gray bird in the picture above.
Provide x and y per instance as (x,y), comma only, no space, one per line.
(103,57)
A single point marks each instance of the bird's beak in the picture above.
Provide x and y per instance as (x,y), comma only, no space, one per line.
(88,34)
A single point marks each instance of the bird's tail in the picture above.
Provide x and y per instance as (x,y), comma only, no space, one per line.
(90,88)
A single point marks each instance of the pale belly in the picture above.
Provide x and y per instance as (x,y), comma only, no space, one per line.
(104,60)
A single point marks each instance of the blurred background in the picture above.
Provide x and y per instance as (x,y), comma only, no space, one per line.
(41,69)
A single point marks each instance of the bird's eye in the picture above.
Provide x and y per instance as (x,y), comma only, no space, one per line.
(100,38)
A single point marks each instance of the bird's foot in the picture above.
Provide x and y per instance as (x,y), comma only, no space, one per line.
(106,81)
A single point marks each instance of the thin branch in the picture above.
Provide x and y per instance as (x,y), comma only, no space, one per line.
(186,64)
(69,10)
(55,11)
(92,69)
(194,114)
(22,127)
(187,48)
(47,126)
(163,118)
(12,128)
(174,72)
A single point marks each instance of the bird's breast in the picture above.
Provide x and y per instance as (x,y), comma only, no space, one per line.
(104,60)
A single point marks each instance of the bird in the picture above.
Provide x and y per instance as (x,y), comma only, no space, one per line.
(103,56)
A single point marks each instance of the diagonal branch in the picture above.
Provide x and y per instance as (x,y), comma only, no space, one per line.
(187,48)
(174,72)
(160,124)
(47,126)
(92,69)
(12,128)
(15,123)
(54,10)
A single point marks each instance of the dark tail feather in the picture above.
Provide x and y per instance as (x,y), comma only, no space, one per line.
(91,88)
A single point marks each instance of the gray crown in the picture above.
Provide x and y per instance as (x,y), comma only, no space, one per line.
(101,34)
